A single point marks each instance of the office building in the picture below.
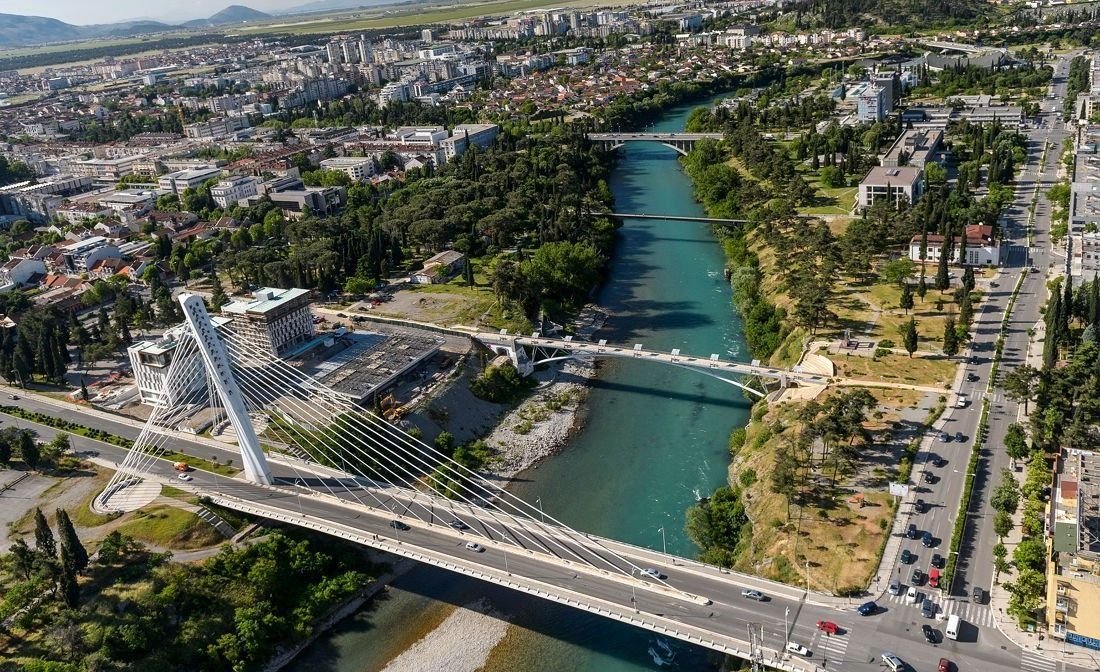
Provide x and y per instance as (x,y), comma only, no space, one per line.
(900,185)
(273,320)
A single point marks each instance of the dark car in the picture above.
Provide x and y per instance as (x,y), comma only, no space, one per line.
(867,608)
(398,525)
(917,577)
(977,596)
(907,556)
(959,437)
(930,634)
(972,377)
(927,609)
(458,524)
(939,463)
(929,477)
(920,506)
(927,540)
(937,561)
(912,531)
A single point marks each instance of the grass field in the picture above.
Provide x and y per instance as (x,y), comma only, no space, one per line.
(170,527)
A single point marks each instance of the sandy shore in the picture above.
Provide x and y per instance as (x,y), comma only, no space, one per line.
(544,422)
(461,643)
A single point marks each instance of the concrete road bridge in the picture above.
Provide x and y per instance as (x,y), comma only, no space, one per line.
(681,142)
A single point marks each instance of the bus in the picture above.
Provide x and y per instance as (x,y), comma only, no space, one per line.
(952,629)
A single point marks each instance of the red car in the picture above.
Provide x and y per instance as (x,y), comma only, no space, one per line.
(945,665)
(828,627)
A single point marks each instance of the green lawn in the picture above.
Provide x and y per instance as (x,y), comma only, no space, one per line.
(170,527)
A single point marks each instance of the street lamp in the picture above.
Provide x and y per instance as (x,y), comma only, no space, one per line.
(786,628)
(538,500)
(664,546)
(633,599)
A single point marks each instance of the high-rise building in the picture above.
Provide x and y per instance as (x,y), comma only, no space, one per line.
(273,321)
(426,36)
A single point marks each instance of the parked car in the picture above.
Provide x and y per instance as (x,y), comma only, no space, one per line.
(913,595)
(939,462)
(895,587)
(912,531)
(798,649)
(930,634)
(907,556)
(927,609)
(933,578)
(929,477)
(937,560)
(828,627)
(917,577)
(919,506)
(867,608)
(753,594)
(474,546)
(944,666)
(927,540)
(959,437)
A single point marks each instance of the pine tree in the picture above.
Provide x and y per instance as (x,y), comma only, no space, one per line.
(950,338)
(1094,301)
(909,336)
(28,449)
(217,295)
(922,287)
(70,542)
(44,542)
(1066,310)
(5,450)
(70,589)
(906,301)
(83,390)
(943,279)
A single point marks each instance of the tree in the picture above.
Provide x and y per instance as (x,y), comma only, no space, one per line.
(1016,442)
(70,589)
(28,449)
(909,336)
(1020,384)
(5,450)
(357,285)
(1006,496)
(83,389)
(444,443)
(898,271)
(1002,523)
(950,337)
(71,547)
(1030,554)
(943,278)
(217,295)
(906,301)
(44,542)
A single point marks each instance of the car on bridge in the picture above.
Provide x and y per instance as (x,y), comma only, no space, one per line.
(475,547)
(655,573)
(398,525)
(458,524)
(753,595)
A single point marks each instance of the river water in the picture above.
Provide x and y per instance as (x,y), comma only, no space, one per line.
(654,440)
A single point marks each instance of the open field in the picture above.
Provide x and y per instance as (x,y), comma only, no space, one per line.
(410,16)
(169,527)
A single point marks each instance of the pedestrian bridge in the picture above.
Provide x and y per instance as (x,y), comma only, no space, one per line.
(681,142)
(315,460)
(527,352)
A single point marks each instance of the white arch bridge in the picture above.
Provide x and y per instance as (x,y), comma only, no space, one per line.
(527,352)
(681,142)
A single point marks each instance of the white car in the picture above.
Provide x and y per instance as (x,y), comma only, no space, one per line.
(798,649)
(912,596)
(753,594)
(184,477)
(475,547)
(649,571)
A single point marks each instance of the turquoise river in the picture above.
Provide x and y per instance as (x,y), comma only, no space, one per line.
(654,440)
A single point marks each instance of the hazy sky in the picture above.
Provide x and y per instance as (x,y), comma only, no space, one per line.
(107,11)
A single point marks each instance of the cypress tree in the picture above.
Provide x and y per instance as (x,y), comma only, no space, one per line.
(1094,301)
(943,280)
(70,589)
(906,297)
(44,542)
(950,338)
(70,543)
(28,449)
(909,336)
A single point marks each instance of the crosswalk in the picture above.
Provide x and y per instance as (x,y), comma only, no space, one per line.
(978,615)
(975,614)
(829,647)
(1033,662)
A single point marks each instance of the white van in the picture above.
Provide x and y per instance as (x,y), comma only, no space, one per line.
(952,629)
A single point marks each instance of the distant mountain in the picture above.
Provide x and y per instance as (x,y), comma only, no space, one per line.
(20,31)
(333,5)
(230,15)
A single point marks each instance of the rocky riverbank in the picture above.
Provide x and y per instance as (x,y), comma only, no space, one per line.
(461,643)
(544,422)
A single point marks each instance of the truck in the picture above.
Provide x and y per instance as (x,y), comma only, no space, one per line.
(182,466)
(962,401)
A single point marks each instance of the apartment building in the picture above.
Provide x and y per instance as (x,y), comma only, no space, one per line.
(273,320)
(181,180)
(230,191)
(466,136)
(1073,574)
(359,169)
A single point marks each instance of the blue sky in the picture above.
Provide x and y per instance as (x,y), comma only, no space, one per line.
(85,12)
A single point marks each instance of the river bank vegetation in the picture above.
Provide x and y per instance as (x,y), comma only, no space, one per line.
(125,607)
(803,285)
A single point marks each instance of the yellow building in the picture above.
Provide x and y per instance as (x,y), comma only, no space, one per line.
(1073,579)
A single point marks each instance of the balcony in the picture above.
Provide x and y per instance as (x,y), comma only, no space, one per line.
(1063,605)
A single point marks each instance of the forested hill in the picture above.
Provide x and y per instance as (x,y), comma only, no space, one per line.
(901,13)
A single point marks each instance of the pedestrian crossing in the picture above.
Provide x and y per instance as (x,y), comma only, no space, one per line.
(975,614)
(1034,662)
(829,647)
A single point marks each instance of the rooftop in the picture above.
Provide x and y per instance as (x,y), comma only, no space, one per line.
(264,300)
(899,175)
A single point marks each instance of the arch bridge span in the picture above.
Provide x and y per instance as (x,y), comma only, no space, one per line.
(681,142)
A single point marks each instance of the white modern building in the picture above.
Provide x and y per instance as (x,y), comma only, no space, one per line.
(903,184)
(229,191)
(83,254)
(273,320)
(359,169)
(151,360)
(467,135)
(181,180)
(981,248)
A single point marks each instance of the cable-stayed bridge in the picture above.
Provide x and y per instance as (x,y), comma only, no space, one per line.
(313,459)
